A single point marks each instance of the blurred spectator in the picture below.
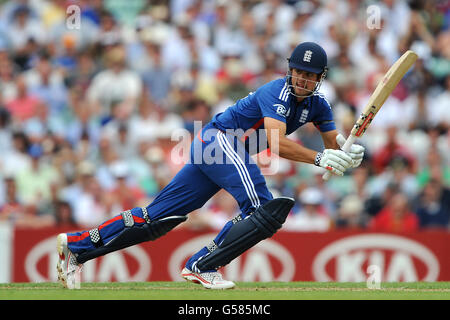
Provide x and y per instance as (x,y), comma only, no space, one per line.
(225,38)
(66,59)
(398,171)
(107,156)
(431,141)
(126,193)
(5,129)
(435,168)
(362,181)
(81,77)
(344,74)
(32,219)
(249,41)
(181,50)
(392,108)
(232,78)
(220,209)
(223,101)
(418,33)
(115,87)
(364,54)
(64,215)
(391,150)
(117,132)
(182,91)
(83,127)
(195,110)
(41,124)
(24,105)
(351,213)
(141,171)
(47,84)
(24,27)
(330,193)
(155,157)
(16,158)
(157,77)
(279,174)
(109,32)
(438,108)
(378,200)
(74,185)
(93,207)
(419,81)
(438,64)
(12,208)
(281,13)
(416,107)
(310,137)
(312,216)
(144,125)
(396,216)
(125,14)
(433,206)
(8,72)
(34,183)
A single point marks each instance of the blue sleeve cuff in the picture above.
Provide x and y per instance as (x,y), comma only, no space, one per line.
(325,126)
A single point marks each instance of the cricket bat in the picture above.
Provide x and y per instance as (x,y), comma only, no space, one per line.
(377,99)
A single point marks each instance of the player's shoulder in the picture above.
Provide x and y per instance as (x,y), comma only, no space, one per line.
(276,89)
(318,98)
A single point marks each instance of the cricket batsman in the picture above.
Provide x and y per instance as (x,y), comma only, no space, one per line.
(276,109)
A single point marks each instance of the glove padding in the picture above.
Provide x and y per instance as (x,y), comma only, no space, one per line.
(336,161)
(356,151)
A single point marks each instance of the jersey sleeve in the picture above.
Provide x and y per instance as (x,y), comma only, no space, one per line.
(323,119)
(270,104)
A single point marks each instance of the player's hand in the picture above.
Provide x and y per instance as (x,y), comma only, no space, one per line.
(356,151)
(336,161)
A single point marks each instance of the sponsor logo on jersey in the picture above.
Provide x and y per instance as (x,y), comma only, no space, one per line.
(281,110)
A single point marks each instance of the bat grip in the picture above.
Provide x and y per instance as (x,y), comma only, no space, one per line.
(346,148)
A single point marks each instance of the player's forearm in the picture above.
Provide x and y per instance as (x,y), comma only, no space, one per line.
(329,139)
(291,150)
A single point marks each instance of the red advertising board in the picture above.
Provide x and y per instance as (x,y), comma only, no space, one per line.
(289,256)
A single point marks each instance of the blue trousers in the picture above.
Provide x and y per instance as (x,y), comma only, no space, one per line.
(217,161)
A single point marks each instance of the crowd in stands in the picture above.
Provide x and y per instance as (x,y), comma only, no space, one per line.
(88,107)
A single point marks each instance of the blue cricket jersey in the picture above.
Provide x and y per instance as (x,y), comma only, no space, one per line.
(273,100)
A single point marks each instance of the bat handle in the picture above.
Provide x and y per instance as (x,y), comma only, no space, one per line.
(346,147)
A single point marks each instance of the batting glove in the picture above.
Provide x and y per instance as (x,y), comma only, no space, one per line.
(336,161)
(356,151)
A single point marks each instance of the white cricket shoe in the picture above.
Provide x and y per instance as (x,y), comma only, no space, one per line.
(210,280)
(68,268)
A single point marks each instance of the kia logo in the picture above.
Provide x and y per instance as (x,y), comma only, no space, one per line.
(258,264)
(399,258)
(106,268)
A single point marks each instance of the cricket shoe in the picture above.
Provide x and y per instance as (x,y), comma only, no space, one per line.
(69,270)
(210,280)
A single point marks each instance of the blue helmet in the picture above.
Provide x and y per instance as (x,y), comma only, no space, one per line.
(309,56)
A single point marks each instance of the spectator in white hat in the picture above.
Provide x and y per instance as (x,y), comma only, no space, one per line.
(312,216)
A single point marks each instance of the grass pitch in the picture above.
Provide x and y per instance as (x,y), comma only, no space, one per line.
(243,291)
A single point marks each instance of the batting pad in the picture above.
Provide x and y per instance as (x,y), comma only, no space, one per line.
(262,224)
